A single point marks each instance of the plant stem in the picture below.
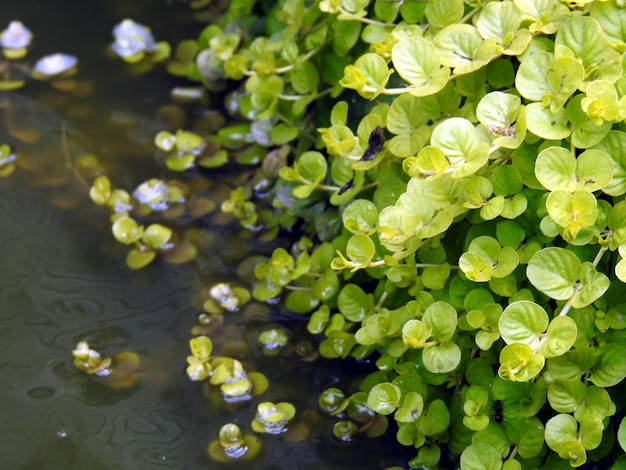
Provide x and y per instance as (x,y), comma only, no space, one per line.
(300,288)
(304,58)
(365,20)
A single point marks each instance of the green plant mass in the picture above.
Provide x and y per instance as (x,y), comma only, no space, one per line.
(453,175)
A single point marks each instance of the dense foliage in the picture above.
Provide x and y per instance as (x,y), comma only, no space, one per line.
(457,171)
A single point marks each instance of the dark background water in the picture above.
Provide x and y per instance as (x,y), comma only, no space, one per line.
(63,279)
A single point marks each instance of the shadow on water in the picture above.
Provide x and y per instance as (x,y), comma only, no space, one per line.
(63,279)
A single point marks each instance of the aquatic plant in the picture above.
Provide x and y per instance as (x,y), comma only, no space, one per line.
(273,418)
(15,41)
(7,160)
(225,297)
(456,171)
(273,340)
(90,361)
(116,373)
(55,65)
(153,195)
(134,42)
(233,445)
(234,382)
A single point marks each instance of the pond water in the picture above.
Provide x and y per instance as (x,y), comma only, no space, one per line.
(63,279)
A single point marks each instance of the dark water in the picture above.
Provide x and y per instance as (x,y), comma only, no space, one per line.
(63,279)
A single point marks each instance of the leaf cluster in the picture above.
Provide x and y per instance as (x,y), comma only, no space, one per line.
(478,182)
(458,168)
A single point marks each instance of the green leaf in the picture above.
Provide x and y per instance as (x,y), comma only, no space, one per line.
(531,79)
(302,301)
(441,13)
(435,277)
(608,15)
(461,47)
(532,441)
(384,398)
(572,211)
(554,271)
(476,267)
(485,259)
(462,145)
(412,407)
(551,81)
(519,363)
(557,169)
(441,318)
(201,347)
(561,335)
(561,429)
(496,20)
(417,62)
(360,251)
(435,419)
(610,368)
(368,76)
(603,103)
(345,36)
(339,114)
(481,456)
(564,77)
(524,322)
(360,216)
(585,133)
(442,358)
(510,234)
(581,38)
(564,396)
(500,112)
(594,285)
(621,434)
(572,364)
(590,433)
(126,230)
(283,133)
(547,124)
(614,145)
(139,258)
(309,169)
(354,303)
(415,333)
(405,115)
(156,236)
(597,402)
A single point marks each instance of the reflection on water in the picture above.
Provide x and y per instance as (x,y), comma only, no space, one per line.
(63,280)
